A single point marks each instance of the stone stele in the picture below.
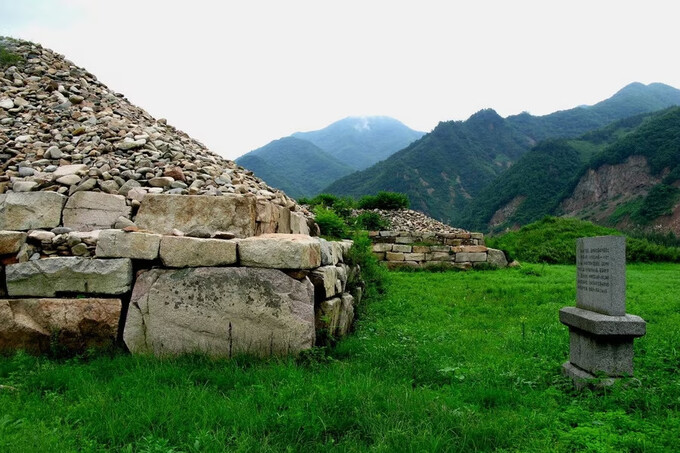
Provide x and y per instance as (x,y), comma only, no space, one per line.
(220,312)
(601,274)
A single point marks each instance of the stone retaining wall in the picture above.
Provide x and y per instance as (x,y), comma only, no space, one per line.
(88,270)
(399,249)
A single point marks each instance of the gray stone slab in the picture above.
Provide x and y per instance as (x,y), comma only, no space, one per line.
(69,274)
(162,213)
(470,257)
(601,274)
(280,251)
(603,325)
(87,211)
(582,378)
(122,244)
(30,210)
(194,252)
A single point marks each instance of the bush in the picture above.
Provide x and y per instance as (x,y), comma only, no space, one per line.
(330,223)
(372,272)
(384,200)
(8,58)
(342,206)
(371,221)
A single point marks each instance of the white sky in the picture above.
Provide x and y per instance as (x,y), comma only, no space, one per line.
(238,74)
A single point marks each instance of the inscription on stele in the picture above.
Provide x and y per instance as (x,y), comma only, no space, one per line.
(601,274)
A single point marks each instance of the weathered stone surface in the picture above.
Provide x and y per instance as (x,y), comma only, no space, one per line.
(601,274)
(470,257)
(414,256)
(177,251)
(11,241)
(611,355)
(497,258)
(280,251)
(394,256)
(324,280)
(70,274)
(86,211)
(402,248)
(35,325)
(162,213)
(220,312)
(329,256)
(298,224)
(69,170)
(328,316)
(30,210)
(121,244)
(384,247)
(346,315)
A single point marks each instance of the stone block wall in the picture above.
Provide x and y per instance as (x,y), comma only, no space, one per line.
(218,275)
(398,249)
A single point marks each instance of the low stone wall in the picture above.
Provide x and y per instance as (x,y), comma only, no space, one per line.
(421,250)
(71,280)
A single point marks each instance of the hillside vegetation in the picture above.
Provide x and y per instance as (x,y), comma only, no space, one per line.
(443,170)
(553,240)
(541,178)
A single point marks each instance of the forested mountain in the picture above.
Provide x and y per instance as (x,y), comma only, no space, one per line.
(297,167)
(362,141)
(446,169)
(537,182)
(633,99)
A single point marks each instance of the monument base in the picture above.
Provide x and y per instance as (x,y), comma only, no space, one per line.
(582,378)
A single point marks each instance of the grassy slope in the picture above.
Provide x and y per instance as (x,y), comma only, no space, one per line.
(442,362)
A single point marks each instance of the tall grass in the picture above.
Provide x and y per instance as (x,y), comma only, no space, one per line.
(438,362)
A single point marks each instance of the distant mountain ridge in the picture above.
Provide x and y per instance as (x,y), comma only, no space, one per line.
(306,162)
(361,141)
(444,171)
(296,166)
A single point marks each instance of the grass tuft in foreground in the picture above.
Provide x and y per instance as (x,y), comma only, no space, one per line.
(438,362)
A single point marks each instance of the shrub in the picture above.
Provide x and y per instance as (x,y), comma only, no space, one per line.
(372,272)
(371,221)
(330,223)
(8,58)
(342,206)
(384,200)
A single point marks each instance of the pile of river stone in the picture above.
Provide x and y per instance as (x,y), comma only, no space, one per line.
(62,130)
(412,221)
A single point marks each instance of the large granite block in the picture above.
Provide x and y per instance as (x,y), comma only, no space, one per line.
(11,241)
(69,274)
(87,211)
(220,311)
(280,251)
(162,213)
(121,244)
(37,325)
(194,252)
(30,210)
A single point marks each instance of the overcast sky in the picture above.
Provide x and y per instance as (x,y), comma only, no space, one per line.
(238,74)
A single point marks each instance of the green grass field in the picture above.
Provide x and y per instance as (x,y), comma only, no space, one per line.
(455,361)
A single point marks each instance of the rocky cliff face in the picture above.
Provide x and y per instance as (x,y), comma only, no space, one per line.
(62,130)
(599,192)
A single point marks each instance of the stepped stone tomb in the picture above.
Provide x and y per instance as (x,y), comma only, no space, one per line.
(117,227)
(601,334)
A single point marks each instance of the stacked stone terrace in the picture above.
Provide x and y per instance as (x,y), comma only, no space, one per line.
(116,225)
(461,250)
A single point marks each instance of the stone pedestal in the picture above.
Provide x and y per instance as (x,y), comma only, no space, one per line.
(601,334)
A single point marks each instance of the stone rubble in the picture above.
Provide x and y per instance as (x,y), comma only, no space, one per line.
(412,221)
(63,131)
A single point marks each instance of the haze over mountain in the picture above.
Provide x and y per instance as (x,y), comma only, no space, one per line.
(296,166)
(445,170)
(306,162)
(361,141)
